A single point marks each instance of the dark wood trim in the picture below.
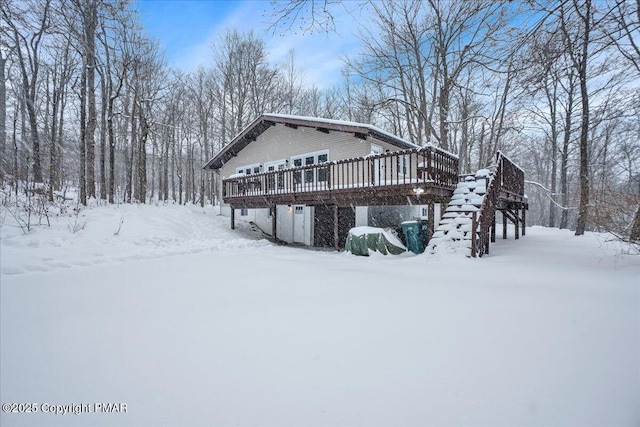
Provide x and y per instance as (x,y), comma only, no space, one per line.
(336,229)
(418,176)
(431,218)
(493,229)
(504,225)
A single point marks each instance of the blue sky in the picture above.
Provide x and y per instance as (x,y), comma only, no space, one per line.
(186,30)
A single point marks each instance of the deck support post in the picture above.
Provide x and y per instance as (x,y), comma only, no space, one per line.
(516,222)
(474,237)
(524,220)
(233,218)
(493,229)
(336,242)
(486,245)
(504,224)
(274,222)
(431,219)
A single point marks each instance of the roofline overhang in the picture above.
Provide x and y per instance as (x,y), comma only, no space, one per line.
(265,121)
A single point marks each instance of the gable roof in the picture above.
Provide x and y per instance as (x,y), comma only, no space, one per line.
(265,121)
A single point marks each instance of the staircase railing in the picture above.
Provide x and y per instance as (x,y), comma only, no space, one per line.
(507,181)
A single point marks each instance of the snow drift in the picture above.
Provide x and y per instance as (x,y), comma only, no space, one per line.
(190,323)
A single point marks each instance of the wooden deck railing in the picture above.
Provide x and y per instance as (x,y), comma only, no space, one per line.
(507,183)
(415,166)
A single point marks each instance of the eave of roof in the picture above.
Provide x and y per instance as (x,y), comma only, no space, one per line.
(265,121)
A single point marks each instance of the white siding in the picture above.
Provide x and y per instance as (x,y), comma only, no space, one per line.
(263,220)
(361,216)
(281,143)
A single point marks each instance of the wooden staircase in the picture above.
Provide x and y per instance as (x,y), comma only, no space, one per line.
(469,222)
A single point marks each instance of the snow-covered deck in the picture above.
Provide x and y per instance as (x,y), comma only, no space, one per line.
(408,176)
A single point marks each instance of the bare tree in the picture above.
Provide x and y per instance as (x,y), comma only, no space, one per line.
(27,26)
(578,46)
(3,113)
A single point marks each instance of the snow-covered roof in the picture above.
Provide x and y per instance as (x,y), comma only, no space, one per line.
(265,121)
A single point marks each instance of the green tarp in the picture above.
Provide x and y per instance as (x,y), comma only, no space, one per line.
(362,239)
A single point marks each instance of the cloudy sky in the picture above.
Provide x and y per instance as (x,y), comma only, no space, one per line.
(187,29)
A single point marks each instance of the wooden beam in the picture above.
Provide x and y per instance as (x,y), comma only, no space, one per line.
(504,224)
(474,237)
(493,229)
(431,219)
(336,234)
(323,130)
(233,218)
(274,222)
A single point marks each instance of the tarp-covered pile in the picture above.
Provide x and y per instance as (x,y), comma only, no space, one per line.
(361,240)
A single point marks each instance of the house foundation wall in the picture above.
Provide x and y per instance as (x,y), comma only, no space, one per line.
(313,225)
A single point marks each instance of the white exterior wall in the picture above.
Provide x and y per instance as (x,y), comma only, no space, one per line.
(259,217)
(286,222)
(361,216)
(263,220)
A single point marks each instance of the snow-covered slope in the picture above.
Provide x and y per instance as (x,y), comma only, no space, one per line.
(190,323)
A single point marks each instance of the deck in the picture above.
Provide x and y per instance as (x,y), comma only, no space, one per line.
(417,176)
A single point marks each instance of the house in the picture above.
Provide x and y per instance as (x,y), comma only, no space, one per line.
(309,180)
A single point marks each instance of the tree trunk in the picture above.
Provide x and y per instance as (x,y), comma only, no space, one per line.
(112,151)
(635,228)
(90,52)
(83,135)
(142,158)
(103,140)
(3,117)
(564,159)
(165,167)
(584,128)
(554,164)
(134,129)
(53,154)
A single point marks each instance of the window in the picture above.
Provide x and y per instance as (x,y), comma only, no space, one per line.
(403,165)
(322,172)
(311,175)
(297,176)
(308,174)
(275,181)
(249,169)
(299,210)
(244,212)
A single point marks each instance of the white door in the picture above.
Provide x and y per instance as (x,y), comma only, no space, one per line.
(298,223)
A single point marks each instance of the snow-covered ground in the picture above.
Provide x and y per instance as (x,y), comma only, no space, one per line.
(191,323)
